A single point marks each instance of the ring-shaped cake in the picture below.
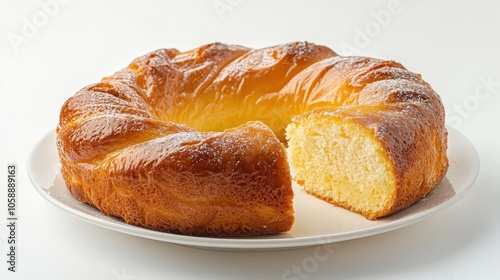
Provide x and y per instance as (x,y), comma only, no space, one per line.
(200,142)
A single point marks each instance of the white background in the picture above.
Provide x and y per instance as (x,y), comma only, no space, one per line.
(49,50)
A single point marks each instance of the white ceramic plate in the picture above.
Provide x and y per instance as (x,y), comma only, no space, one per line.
(316,222)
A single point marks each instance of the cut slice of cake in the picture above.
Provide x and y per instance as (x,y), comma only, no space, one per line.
(344,162)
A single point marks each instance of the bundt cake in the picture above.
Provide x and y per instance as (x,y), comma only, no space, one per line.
(200,142)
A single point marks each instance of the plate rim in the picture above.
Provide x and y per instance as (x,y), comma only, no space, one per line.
(255,243)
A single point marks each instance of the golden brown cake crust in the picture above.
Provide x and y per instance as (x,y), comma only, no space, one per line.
(180,141)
